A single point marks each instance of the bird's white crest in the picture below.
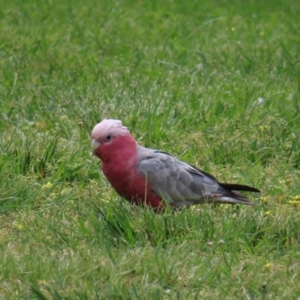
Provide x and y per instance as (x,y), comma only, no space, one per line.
(109,126)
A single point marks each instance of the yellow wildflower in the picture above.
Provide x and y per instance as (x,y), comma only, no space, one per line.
(268,266)
(264,199)
(18,225)
(296,203)
(46,186)
(295,200)
(286,181)
(262,128)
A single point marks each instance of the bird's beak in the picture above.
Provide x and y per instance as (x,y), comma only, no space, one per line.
(95,145)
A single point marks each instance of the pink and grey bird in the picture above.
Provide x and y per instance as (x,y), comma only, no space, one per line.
(152,177)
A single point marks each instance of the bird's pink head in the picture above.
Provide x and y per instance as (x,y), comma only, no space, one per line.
(106,135)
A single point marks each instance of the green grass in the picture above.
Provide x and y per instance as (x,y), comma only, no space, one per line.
(185,77)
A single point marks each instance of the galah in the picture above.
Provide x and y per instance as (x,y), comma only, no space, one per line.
(153,177)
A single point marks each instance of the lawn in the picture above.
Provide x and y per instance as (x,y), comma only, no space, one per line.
(215,83)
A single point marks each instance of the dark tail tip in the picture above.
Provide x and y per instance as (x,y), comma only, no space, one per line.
(239,187)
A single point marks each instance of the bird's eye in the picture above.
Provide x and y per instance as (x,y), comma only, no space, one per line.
(108,138)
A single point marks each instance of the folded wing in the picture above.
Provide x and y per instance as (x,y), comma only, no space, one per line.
(181,184)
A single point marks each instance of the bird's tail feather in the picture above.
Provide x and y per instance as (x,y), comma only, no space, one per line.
(236,199)
(226,198)
(239,187)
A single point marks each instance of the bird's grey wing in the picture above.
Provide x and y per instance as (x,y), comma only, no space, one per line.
(180,183)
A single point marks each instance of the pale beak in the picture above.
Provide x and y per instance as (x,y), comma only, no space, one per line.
(95,145)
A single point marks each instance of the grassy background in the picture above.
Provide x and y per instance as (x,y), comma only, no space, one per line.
(216,83)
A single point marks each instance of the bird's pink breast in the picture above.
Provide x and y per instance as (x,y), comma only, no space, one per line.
(119,165)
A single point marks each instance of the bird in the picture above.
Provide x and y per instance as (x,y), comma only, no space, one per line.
(155,178)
